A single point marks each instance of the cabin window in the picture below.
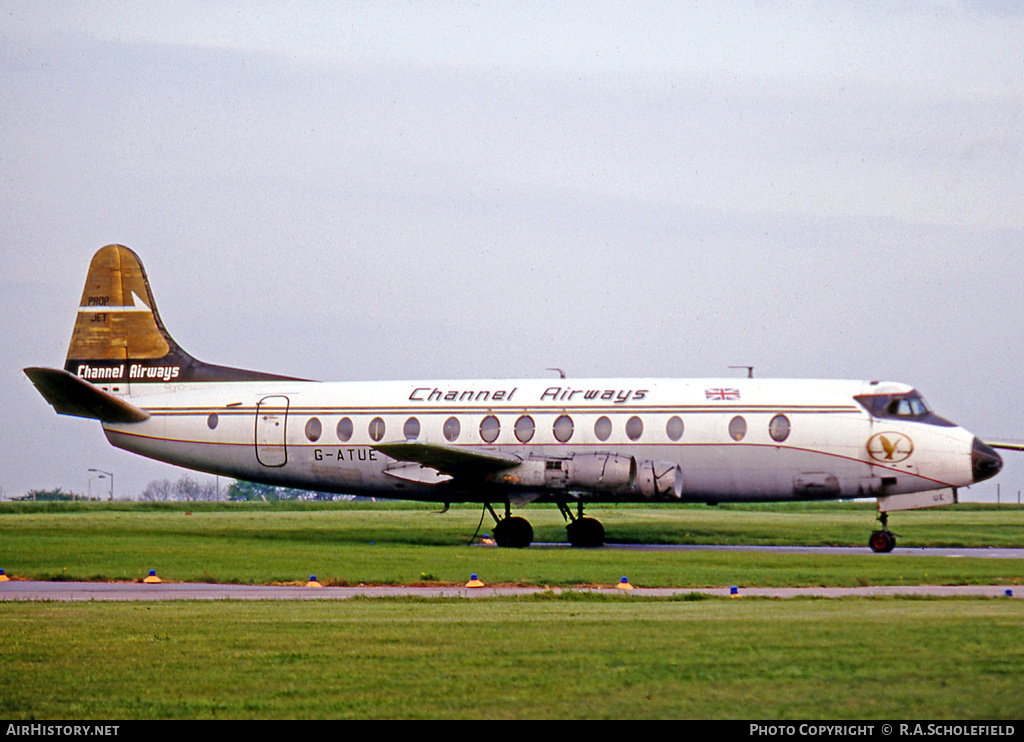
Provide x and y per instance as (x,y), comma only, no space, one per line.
(524,429)
(451,429)
(563,428)
(737,428)
(674,428)
(313,429)
(779,428)
(489,428)
(212,420)
(634,428)
(411,429)
(377,428)
(345,429)
(603,428)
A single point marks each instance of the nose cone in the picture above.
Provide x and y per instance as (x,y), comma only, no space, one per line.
(985,462)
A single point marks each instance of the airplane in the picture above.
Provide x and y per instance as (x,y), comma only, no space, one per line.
(510,442)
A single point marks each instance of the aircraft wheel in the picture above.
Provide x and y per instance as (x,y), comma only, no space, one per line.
(514,532)
(585,532)
(882,542)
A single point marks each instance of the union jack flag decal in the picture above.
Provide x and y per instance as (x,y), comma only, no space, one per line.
(722,394)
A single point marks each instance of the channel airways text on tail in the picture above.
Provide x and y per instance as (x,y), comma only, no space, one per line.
(570,443)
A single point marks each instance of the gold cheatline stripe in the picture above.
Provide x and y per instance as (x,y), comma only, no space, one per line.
(498,410)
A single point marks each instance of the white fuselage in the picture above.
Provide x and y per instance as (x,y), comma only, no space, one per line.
(713,440)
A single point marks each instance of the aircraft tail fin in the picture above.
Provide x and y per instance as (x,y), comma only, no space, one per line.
(119,336)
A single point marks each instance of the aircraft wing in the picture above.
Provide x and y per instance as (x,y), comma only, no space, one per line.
(452,460)
(1007,445)
(71,395)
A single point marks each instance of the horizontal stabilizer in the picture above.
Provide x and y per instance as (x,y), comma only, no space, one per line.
(453,460)
(70,395)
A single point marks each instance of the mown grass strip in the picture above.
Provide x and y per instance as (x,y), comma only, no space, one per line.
(546,657)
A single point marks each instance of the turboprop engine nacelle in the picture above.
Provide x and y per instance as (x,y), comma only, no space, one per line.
(660,479)
(608,473)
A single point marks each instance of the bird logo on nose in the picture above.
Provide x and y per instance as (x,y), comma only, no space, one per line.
(890,448)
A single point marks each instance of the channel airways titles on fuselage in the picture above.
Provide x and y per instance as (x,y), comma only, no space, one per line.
(551,394)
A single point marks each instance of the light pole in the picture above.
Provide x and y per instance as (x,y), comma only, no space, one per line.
(109,474)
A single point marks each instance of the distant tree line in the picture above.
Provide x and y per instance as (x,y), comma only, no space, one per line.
(188,488)
(191,489)
(55,495)
(241,490)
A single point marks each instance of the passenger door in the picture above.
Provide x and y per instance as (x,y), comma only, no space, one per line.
(271,429)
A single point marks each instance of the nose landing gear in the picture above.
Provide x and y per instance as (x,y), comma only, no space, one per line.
(884,540)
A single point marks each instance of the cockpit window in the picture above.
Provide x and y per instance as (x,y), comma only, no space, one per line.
(908,406)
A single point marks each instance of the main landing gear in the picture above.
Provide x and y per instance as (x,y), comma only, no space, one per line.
(582,532)
(517,533)
(512,532)
(883,541)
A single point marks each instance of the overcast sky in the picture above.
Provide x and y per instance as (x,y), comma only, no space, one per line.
(456,190)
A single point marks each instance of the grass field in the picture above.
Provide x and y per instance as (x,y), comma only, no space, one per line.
(567,655)
(351,544)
